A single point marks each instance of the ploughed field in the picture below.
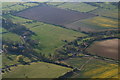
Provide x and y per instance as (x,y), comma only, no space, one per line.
(106,48)
(53,15)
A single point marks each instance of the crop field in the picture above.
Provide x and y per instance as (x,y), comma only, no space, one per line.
(93,68)
(76,6)
(53,15)
(40,70)
(106,12)
(16,6)
(106,48)
(94,24)
(50,37)
(59,32)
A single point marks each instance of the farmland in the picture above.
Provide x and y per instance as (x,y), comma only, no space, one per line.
(103,48)
(53,40)
(15,6)
(50,37)
(40,69)
(11,37)
(94,24)
(53,15)
(99,68)
(81,7)
(106,12)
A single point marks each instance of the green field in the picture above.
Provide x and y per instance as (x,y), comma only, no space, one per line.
(50,37)
(2,30)
(81,7)
(105,5)
(11,59)
(93,68)
(16,6)
(106,12)
(36,70)
(55,3)
(11,37)
(96,23)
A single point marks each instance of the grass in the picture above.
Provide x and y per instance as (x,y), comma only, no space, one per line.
(10,59)
(105,5)
(16,19)
(16,6)
(96,23)
(106,12)
(50,37)
(98,68)
(8,4)
(81,7)
(55,3)
(2,30)
(11,37)
(102,21)
(37,70)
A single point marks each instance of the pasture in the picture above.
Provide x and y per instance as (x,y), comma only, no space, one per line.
(94,24)
(36,70)
(11,37)
(106,12)
(77,6)
(8,7)
(106,48)
(53,15)
(93,68)
(50,37)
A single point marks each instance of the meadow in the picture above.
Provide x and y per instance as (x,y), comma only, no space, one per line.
(40,70)
(50,37)
(8,7)
(11,37)
(77,6)
(94,24)
(88,65)
(106,12)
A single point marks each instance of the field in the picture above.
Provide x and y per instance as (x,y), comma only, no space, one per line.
(106,12)
(11,37)
(8,7)
(92,68)
(106,48)
(55,3)
(76,6)
(50,37)
(106,5)
(94,24)
(40,70)
(53,15)
(55,31)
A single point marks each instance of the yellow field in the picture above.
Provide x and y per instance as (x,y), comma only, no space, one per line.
(104,22)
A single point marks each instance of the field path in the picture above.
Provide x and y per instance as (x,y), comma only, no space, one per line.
(85,63)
